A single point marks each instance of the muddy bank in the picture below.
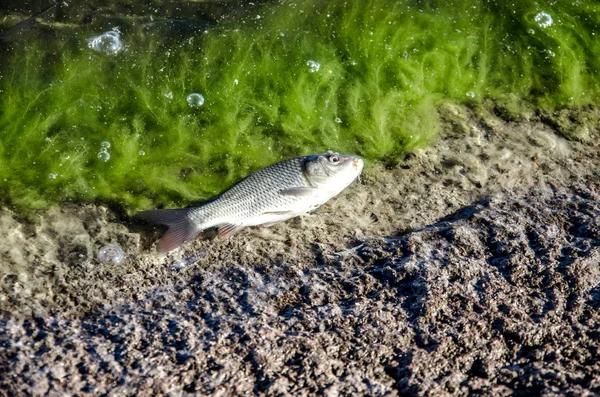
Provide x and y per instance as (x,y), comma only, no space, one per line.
(470,266)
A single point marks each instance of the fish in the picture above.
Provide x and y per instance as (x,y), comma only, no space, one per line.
(276,193)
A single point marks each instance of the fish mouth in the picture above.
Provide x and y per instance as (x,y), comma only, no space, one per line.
(357,163)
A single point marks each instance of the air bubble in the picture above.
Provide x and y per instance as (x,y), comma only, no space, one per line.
(142,153)
(338,120)
(52,175)
(105,144)
(313,66)
(108,43)
(103,155)
(195,99)
(111,254)
(471,94)
(544,19)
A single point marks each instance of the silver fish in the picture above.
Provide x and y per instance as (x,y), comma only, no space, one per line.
(267,196)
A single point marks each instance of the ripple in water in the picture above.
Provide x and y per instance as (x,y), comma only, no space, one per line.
(195,99)
(111,254)
(544,19)
(108,43)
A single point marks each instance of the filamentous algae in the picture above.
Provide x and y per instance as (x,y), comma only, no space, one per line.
(276,80)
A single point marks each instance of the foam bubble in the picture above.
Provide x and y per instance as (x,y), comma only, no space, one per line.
(313,66)
(195,99)
(108,43)
(544,19)
(111,254)
(103,155)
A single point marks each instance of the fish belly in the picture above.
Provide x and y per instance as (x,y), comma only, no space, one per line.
(273,216)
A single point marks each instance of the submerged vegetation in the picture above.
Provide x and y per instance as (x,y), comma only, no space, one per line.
(282,79)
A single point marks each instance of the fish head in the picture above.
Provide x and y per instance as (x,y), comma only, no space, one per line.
(332,171)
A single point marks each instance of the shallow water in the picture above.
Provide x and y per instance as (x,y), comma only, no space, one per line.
(192,96)
(407,284)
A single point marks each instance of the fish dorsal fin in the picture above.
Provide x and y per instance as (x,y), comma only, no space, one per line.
(228,229)
(298,191)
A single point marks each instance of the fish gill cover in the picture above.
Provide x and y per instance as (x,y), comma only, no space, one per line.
(133,116)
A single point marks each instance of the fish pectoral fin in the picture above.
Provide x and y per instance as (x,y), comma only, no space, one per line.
(227,229)
(277,213)
(298,191)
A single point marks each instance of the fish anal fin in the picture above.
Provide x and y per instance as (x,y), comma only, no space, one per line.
(226,230)
(298,191)
(175,236)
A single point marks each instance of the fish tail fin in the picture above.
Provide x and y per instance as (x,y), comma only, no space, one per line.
(181,227)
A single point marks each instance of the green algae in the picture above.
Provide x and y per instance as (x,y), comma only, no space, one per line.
(385,69)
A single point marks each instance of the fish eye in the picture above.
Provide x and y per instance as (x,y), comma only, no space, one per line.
(334,159)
